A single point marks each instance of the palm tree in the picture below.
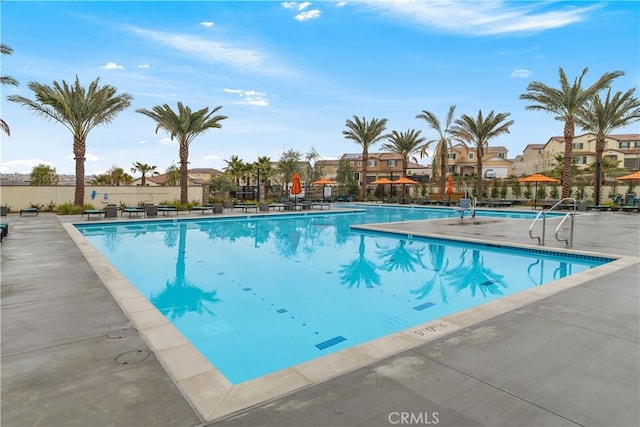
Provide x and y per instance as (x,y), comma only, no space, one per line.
(443,144)
(602,117)
(235,168)
(266,172)
(474,275)
(401,257)
(406,144)
(478,132)
(6,80)
(366,134)
(185,126)
(566,103)
(144,169)
(79,110)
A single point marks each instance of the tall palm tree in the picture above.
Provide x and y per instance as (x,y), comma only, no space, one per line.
(78,109)
(6,80)
(266,171)
(443,144)
(566,103)
(144,169)
(365,134)
(406,144)
(360,270)
(477,132)
(235,168)
(184,125)
(602,117)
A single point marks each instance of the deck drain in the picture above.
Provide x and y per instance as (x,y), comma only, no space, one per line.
(133,356)
(122,333)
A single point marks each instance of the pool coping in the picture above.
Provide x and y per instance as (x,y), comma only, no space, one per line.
(213,397)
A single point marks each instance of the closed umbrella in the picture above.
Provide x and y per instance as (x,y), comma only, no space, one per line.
(537,177)
(404,181)
(449,187)
(296,187)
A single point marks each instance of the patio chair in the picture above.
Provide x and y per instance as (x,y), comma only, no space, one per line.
(30,210)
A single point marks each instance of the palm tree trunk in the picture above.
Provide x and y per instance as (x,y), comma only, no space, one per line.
(598,184)
(479,181)
(143,181)
(443,172)
(184,169)
(79,149)
(569,130)
(365,159)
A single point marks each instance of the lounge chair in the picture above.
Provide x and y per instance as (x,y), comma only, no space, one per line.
(165,209)
(132,209)
(89,212)
(29,211)
(4,230)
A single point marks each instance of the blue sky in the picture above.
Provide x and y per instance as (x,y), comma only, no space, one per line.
(289,75)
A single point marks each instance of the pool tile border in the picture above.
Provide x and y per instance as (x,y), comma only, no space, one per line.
(213,397)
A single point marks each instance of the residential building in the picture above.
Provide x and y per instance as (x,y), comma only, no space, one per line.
(462,160)
(196,176)
(624,148)
(530,161)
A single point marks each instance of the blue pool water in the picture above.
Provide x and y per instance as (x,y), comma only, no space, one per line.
(263,293)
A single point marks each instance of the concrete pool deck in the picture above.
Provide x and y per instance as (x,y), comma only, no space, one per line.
(564,356)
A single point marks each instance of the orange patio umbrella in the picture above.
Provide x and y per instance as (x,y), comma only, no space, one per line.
(324,182)
(536,178)
(383,181)
(404,181)
(632,177)
(296,187)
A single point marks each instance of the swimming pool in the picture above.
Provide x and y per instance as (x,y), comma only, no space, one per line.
(259,294)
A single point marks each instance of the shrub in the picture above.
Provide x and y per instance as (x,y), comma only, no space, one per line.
(69,209)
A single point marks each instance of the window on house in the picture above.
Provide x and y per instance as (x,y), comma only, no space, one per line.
(451,169)
(391,163)
(471,156)
(636,144)
(359,162)
(581,160)
(351,163)
(624,144)
(577,145)
(501,155)
(372,163)
(451,156)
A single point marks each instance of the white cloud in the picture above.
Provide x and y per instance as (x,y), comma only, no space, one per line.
(249,97)
(520,73)
(304,5)
(22,165)
(207,24)
(482,18)
(143,66)
(211,157)
(289,4)
(310,14)
(341,3)
(112,66)
(212,51)
(143,142)
(168,141)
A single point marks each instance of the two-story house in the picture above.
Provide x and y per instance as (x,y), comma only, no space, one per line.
(462,160)
(624,148)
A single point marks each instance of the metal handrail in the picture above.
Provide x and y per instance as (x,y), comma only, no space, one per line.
(544,224)
(568,242)
(562,201)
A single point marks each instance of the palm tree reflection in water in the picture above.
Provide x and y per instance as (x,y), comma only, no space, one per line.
(472,274)
(180,296)
(360,270)
(401,257)
(469,273)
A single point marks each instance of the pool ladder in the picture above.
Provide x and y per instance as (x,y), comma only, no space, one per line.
(543,214)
